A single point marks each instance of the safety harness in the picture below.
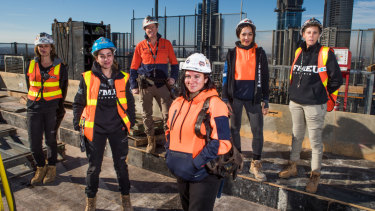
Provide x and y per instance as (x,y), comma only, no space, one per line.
(224,165)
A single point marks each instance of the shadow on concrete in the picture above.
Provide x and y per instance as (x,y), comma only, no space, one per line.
(350,137)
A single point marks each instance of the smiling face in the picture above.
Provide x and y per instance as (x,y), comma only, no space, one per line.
(311,35)
(194,81)
(246,36)
(44,49)
(151,30)
(105,58)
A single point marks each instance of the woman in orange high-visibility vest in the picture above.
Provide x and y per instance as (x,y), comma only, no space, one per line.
(47,84)
(315,78)
(187,154)
(246,85)
(104,109)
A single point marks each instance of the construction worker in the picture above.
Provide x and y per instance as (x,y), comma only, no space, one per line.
(187,154)
(245,84)
(47,83)
(149,76)
(104,109)
(315,78)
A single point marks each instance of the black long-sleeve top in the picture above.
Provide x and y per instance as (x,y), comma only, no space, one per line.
(307,87)
(107,119)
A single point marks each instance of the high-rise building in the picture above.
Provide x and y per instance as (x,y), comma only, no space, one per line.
(289,15)
(212,7)
(338,15)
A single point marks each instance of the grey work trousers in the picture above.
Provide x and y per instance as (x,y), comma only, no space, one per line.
(254,113)
(162,97)
(313,117)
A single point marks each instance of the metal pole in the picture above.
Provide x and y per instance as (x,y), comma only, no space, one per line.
(156,9)
(195,29)
(241,11)
(165,22)
(132,33)
(369,90)
(183,39)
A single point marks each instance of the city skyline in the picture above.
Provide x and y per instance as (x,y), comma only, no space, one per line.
(32,17)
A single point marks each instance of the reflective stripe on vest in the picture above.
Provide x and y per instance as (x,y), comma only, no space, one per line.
(51,87)
(93,85)
(322,70)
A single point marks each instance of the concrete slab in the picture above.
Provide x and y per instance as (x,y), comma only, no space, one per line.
(347,183)
(149,190)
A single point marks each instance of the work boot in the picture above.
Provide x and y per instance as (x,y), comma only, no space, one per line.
(90,204)
(50,175)
(289,170)
(126,204)
(312,185)
(256,169)
(39,175)
(151,146)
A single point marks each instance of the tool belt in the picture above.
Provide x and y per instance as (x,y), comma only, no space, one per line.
(144,82)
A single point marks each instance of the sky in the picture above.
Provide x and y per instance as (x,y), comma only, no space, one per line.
(22,20)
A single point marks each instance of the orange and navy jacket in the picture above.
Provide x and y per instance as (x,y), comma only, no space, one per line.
(187,154)
(306,85)
(86,102)
(143,62)
(51,91)
(242,78)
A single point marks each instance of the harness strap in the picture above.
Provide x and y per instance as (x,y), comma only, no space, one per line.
(203,116)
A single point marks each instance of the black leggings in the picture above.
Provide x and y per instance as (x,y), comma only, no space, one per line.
(37,124)
(199,195)
(95,150)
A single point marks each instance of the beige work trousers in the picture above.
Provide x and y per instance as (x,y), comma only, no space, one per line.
(313,117)
(163,98)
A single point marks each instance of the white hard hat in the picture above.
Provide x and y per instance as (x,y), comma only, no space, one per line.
(149,20)
(197,62)
(43,38)
(311,22)
(247,21)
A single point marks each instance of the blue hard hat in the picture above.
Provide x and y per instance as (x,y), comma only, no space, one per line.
(102,43)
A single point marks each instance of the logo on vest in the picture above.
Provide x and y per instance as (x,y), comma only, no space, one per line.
(306,70)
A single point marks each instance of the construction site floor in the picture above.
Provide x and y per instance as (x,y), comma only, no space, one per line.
(149,190)
(346,183)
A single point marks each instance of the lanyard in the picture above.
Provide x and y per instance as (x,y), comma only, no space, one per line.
(156,52)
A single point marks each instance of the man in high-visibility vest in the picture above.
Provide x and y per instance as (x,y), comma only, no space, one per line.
(47,84)
(315,78)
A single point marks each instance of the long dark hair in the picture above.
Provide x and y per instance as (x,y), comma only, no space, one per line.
(115,66)
(184,92)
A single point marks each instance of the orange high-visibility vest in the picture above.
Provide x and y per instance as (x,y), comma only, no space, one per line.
(88,116)
(322,61)
(51,87)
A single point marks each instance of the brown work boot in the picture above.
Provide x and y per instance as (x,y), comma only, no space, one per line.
(151,146)
(256,169)
(126,204)
(50,175)
(312,185)
(39,175)
(289,170)
(90,204)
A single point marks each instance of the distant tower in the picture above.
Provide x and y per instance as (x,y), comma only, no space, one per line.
(212,7)
(338,15)
(289,15)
